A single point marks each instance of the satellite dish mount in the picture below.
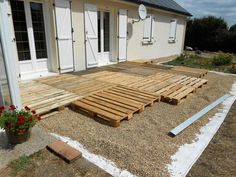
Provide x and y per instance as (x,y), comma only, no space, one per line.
(142,12)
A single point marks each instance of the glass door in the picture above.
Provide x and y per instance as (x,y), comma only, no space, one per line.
(103,37)
(30,37)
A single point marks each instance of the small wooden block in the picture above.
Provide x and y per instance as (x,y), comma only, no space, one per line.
(65,151)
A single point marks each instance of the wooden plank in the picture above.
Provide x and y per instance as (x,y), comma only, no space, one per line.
(123,95)
(96,110)
(121,104)
(114,106)
(120,99)
(102,107)
(148,95)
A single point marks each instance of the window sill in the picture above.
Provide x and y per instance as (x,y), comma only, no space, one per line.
(148,42)
(171,41)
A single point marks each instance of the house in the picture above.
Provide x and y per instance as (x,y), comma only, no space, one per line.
(58,36)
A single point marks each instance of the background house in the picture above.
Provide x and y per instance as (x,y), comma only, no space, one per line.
(46,37)
(62,35)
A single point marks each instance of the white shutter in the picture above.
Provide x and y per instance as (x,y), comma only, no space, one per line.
(173,27)
(123,20)
(91,32)
(64,35)
(153,24)
(147,25)
(148,29)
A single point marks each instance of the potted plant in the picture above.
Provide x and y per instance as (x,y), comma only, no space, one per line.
(17,123)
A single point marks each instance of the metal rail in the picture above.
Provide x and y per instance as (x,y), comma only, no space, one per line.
(197,116)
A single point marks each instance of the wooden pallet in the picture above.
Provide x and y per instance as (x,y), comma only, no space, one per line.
(193,82)
(160,83)
(200,73)
(176,94)
(115,104)
(43,98)
(173,90)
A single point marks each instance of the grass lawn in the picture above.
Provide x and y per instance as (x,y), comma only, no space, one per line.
(207,61)
(45,164)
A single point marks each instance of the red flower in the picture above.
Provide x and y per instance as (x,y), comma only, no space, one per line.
(12,108)
(21,118)
(21,131)
(33,111)
(27,108)
(21,122)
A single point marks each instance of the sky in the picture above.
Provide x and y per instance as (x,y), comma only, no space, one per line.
(220,8)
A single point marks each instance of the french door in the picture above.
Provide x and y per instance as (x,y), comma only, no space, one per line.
(103,37)
(30,37)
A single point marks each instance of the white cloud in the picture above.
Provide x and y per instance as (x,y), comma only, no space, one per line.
(220,8)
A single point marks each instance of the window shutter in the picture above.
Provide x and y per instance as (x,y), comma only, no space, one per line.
(148,29)
(173,27)
(153,24)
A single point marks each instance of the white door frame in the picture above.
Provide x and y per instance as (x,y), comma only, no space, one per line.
(34,67)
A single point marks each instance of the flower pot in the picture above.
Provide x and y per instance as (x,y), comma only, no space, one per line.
(18,139)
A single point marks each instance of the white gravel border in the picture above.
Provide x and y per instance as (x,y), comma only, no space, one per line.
(222,74)
(188,154)
(98,160)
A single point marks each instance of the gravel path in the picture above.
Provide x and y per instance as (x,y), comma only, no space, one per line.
(141,145)
(38,140)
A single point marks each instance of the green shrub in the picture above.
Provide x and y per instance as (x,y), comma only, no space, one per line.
(181,57)
(222,59)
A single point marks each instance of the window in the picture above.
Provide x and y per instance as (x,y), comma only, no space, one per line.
(106,23)
(99,31)
(39,30)
(148,29)
(173,27)
(20,27)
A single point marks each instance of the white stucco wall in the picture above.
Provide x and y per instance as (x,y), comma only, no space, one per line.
(135,49)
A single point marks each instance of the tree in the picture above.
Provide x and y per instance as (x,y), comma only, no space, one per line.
(207,33)
(233,28)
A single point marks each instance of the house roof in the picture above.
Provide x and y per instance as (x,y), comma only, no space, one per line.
(169,5)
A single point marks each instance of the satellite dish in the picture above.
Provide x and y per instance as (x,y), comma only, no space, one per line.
(142,11)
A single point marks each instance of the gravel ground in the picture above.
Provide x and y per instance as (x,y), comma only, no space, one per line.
(38,140)
(219,158)
(142,145)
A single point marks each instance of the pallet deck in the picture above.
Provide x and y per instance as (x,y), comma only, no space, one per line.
(43,98)
(200,73)
(159,83)
(81,86)
(116,88)
(115,104)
